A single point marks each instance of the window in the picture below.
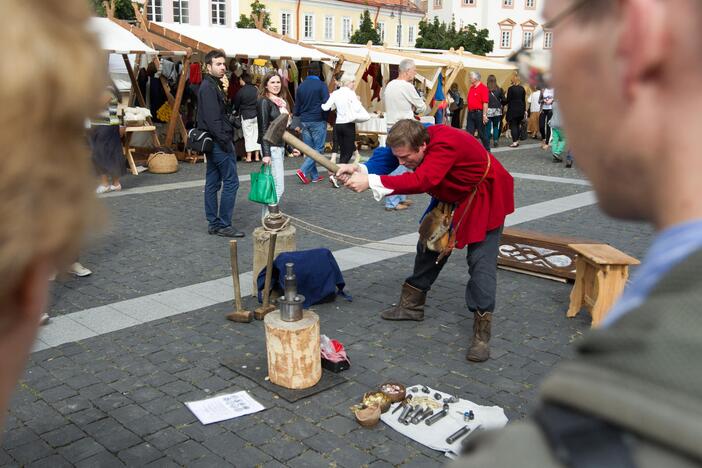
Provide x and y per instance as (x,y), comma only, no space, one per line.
(381,31)
(285,19)
(438,4)
(398,35)
(530,4)
(219,12)
(181,12)
(345,28)
(469,3)
(506,39)
(328,28)
(507,3)
(410,35)
(548,39)
(528,39)
(154,10)
(308,30)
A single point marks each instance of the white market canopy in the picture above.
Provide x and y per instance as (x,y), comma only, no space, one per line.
(115,39)
(239,43)
(380,56)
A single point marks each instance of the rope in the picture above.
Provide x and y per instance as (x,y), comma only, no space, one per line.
(343,238)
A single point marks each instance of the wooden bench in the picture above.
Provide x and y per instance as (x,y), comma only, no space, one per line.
(602,272)
(539,254)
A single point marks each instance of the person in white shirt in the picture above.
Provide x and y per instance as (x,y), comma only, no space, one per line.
(400,98)
(534,112)
(401,102)
(345,101)
(546,114)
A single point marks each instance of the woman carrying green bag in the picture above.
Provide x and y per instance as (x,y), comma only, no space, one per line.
(263,187)
(270,105)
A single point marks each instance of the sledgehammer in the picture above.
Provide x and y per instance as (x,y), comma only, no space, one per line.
(277,134)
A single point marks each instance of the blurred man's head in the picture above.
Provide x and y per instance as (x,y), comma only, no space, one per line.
(46,183)
(474,78)
(407,70)
(627,76)
(215,63)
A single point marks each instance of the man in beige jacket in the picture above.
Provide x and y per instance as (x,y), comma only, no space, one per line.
(632,396)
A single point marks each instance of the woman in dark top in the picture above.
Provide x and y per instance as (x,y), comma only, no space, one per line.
(271,104)
(494,112)
(245,105)
(516,109)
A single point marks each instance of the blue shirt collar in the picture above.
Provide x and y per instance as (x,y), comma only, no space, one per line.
(313,77)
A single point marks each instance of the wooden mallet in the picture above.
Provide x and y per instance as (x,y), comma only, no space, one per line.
(239,315)
(277,134)
(266,307)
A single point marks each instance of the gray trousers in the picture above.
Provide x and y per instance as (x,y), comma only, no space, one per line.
(482,268)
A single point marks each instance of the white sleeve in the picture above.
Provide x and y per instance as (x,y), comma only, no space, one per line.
(419,105)
(331,102)
(379,191)
(363,168)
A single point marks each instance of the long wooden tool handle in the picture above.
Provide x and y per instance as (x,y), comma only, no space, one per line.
(295,142)
(269,270)
(235,273)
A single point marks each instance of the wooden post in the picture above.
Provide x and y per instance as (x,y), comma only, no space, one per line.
(294,356)
(175,115)
(142,103)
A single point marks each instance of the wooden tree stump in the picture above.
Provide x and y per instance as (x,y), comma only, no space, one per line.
(294,359)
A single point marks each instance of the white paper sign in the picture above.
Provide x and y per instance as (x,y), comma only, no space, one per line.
(223,407)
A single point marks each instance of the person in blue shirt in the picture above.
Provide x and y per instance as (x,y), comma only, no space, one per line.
(311,94)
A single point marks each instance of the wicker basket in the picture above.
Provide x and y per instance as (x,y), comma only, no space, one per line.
(161,162)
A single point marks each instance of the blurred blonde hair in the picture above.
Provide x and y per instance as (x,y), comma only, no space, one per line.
(346,78)
(52,75)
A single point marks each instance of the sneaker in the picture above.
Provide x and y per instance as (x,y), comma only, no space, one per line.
(115,188)
(102,189)
(44,319)
(334,182)
(495,144)
(557,158)
(569,164)
(229,232)
(318,179)
(303,178)
(407,202)
(79,270)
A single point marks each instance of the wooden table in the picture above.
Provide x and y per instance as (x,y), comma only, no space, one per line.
(601,274)
(129,152)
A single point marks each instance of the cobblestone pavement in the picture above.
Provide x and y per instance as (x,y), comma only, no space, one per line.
(117,399)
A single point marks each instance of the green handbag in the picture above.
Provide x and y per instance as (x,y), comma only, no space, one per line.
(263,186)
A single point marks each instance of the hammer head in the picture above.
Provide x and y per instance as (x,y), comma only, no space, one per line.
(274,134)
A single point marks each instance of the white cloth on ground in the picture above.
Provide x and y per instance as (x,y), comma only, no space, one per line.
(434,437)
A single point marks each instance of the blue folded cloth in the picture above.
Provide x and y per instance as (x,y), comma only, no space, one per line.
(318,275)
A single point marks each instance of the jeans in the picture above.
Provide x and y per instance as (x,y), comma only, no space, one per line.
(221,173)
(393,200)
(482,268)
(314,134)
(278,172)
(494,126)
(475,122)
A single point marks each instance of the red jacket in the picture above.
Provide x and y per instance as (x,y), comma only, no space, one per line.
(454,162)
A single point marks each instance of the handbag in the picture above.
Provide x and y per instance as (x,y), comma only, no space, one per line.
(199,141)
(263,187)
(360,115)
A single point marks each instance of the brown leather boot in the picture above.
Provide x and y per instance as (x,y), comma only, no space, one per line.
(479,350)
(410,307)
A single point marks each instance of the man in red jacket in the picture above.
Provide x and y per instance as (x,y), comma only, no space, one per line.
(472,194)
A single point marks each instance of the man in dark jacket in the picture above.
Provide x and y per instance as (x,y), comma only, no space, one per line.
(213,116)
(311,94)
(632,395)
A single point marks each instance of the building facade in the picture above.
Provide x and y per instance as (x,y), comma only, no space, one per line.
(309,20)
(511,23)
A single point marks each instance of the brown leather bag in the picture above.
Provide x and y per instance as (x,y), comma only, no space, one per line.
(434,231)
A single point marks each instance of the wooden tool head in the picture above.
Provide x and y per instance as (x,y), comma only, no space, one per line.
(274,134)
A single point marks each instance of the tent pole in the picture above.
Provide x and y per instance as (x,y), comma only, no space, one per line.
(175,115)
(132,78)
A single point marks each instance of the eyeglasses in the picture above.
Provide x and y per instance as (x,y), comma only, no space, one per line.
(534,66)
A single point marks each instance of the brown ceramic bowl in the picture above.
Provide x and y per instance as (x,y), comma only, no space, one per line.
(395,391)
(376,399)
(368,416)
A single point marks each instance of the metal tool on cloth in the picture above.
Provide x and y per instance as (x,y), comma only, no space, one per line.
(441,414)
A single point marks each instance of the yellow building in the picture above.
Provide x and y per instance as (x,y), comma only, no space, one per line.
(336,20)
